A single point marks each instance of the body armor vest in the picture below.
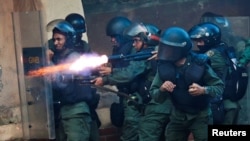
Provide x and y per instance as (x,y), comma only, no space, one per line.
(183,77)
(74,91)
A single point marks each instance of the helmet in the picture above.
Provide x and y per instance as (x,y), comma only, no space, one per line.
(153,29)
(147,32)
(77,21)
(217,19)
(117,25)
(174,45)
(208,32)
(68,31)
(135,29)
(154,34)
(51,24)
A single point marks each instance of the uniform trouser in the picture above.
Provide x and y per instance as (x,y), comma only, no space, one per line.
(152,126)
(179,128)
(75,128)
(131,122)
(94,131)
(231,116)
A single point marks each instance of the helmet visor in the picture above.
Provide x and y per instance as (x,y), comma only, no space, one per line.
(135,29)
(169,53)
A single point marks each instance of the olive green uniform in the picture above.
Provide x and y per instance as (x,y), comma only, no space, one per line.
(74,123)
(182,123)
(132,113)
(80,47)
(156,116)
(218,64)
(74,117)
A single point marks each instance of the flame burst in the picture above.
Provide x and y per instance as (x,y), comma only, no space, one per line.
(90,62)
(48,70)
(81,64)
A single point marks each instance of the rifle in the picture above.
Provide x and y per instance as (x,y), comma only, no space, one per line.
(80,79)
(130,99)
(143,55)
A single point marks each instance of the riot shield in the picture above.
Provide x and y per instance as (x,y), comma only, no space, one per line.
(35,92)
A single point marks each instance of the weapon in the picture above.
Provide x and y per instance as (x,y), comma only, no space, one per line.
(80,79)
(143,55)
(91,61)
(130,99)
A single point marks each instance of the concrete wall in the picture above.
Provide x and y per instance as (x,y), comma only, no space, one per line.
(163,13)
(19,18)
(23,25)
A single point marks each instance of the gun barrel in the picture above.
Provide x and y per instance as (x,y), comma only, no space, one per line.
(139,56)
(131,57)
(115,57)
(77,78)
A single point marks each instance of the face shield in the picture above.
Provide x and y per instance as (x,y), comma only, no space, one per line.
(169,53)
(135,29)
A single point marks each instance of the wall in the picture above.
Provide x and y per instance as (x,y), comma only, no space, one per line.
(163,13)
(55,9)
(23,111)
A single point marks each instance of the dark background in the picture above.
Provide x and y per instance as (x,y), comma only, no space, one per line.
(165,13)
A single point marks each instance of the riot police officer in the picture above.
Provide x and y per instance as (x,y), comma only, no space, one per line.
(208,37)
(78,23)
(120,45)
(135,78)
(74,114)
(81,46)
(227,34)
(155,115)
(189,92)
